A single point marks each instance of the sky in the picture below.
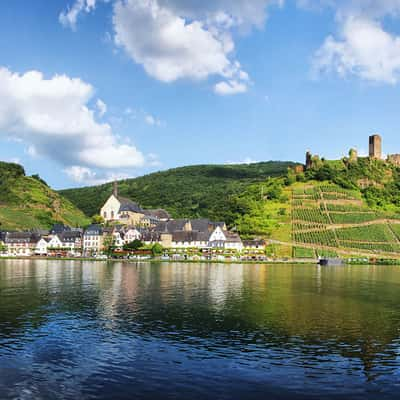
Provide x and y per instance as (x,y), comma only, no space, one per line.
(97,90)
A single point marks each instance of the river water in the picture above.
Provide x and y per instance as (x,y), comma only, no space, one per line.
(82,330)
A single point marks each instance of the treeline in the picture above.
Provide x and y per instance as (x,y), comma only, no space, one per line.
(203,191)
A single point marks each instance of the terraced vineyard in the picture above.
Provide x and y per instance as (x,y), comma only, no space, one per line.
(328,218)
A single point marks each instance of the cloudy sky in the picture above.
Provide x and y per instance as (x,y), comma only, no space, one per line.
(92,90)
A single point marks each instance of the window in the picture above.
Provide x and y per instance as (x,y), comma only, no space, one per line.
(112,214)
(105,214)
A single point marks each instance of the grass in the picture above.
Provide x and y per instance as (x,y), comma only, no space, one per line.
(302,252)
(370,233)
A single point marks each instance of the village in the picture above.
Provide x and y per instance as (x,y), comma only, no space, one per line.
(129,231)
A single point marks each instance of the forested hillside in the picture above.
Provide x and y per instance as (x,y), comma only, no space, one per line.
(194,191)
(27,202)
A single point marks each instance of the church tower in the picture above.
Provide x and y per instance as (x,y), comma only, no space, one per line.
(115,189)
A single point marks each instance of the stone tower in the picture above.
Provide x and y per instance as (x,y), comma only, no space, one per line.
(353,155)
(375,147)
(308,160)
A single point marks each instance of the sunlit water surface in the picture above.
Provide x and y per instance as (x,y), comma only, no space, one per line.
(72,330)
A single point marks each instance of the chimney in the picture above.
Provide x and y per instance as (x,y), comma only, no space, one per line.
(115,189)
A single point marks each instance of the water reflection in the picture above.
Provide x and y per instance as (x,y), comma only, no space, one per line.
(99,330)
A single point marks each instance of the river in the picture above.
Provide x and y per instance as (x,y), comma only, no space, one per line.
(98,330)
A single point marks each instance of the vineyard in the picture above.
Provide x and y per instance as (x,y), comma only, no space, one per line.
(333,219)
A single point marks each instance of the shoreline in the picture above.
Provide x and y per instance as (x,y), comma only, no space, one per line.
(152,260)
(393,262)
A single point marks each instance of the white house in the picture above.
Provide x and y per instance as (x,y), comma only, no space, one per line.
(131,234)
(217,238)
(41,247)
(93,239)
(55,243)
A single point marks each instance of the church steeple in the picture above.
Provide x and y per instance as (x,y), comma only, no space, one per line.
(115,189)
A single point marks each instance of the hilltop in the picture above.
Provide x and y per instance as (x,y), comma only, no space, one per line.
(26,202)
(187,192)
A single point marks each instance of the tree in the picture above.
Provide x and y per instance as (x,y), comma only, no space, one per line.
(135,245)
(157,249)
(109,244)
(97,219)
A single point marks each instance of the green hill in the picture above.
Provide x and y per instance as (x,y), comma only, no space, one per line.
(194,191)
(336,207)
(27,202)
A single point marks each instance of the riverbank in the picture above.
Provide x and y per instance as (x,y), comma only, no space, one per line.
(361,261)
(159,260)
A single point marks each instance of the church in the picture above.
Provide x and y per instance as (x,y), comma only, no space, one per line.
(127,212)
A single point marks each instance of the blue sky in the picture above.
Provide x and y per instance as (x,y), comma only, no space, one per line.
(95,90)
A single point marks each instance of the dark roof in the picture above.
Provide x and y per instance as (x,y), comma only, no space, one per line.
(150,236)
(129,205)
(205,225)
(190,236)
(171,226)
(59,228)
(94,230)
(158,213)
(232,237)
(21,237)
(69,236)
(41,232)
(252,243)
(201,225)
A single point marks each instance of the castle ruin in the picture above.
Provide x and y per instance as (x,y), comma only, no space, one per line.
(375,147)
(375,153)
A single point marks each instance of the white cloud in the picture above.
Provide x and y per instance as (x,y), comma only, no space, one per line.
(362,48)
(230,87)
(101,107)
(53,116)
(182,39)
(69,17)
(177,39)
(151,120)
(32,152)
(87,176)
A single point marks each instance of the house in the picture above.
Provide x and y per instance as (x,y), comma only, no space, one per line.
(20,243)
(217,238)
(125,211)
(189,239)
(256,244)
(131,234)
(41,247)
(54,243)
(233,241)
(71,241)
(93,239)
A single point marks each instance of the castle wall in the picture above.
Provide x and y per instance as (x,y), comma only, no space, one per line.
(394,159)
